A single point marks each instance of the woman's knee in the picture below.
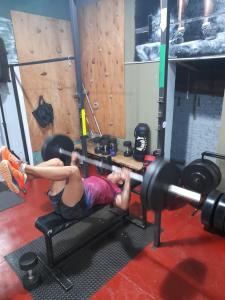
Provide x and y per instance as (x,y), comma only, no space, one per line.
(57,162)
(74,171)
(54,162)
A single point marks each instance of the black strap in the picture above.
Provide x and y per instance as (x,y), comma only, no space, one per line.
(41,100)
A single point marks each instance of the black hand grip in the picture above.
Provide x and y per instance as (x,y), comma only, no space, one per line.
(212,154)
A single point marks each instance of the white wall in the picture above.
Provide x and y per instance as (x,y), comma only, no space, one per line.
(11,119)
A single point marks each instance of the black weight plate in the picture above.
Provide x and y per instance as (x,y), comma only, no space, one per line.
(219,214)
(51,145)
(209,207)
(157,177)
(146,181)
(218,174)
(199,177)
(212,169)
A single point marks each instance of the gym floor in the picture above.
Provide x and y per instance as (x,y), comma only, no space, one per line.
(189,264)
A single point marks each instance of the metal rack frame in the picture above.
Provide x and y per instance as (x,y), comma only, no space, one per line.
(16,94)
(163,77)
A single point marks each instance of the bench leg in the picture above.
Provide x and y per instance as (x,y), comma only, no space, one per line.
(56,273)
(49,249)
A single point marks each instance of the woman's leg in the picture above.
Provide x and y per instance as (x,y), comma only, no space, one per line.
(54,162)
(55,173)
(73,184)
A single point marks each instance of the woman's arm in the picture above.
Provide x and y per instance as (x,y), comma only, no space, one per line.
(122,200)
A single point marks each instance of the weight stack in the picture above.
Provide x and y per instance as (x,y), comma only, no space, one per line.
(141,146)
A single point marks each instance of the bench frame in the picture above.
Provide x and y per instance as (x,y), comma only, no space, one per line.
(53,265)
(49,233)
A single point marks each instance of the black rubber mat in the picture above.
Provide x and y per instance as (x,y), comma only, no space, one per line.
(89,268)
(8,199)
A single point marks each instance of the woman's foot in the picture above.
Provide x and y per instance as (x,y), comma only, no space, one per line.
(7,155)
(14,179)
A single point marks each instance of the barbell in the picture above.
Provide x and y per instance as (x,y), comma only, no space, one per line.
(161,177)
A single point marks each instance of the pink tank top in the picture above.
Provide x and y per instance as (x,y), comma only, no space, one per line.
(99,190)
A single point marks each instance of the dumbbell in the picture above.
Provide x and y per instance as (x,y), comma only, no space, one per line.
(27,263)
(128,151)
(105,146)
(96,141)
(113,146)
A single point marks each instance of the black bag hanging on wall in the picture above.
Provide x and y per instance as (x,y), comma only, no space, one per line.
(141,147)
(43,113)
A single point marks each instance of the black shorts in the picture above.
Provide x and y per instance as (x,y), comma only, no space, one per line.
(77,211)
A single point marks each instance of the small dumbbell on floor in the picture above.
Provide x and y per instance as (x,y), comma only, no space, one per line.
(31,279)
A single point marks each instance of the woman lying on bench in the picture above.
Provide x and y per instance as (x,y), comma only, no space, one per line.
(70,195)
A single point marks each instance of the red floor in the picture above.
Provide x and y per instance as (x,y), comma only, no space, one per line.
(189,265)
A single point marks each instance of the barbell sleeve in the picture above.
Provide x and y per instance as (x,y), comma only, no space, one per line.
(193,197)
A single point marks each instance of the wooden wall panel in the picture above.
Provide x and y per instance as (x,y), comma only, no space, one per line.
(101,25)
(37,38)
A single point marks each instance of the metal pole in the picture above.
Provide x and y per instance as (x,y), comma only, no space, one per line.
(4,123)
(13,77)
(157,229)
(43,61)
(163,74)
(92,111)
(80,95)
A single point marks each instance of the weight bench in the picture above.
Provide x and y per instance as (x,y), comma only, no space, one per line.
(53,225)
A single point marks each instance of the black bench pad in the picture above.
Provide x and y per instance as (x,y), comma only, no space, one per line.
(53,223)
